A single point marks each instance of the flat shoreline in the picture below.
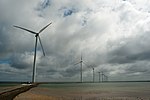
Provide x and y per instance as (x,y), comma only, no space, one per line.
(43,93)
(12,92)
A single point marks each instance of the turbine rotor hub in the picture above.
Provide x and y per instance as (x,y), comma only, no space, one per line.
(37,35)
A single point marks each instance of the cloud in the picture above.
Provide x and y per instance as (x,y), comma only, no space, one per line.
(71,71)
(21,61)
(8,73)
(112,35)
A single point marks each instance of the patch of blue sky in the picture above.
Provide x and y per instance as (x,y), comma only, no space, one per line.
(5,61)
(44,4)
(41,6)
(68,11)
(84,22)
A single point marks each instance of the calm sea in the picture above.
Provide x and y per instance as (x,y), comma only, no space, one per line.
(101,86)
(94,91)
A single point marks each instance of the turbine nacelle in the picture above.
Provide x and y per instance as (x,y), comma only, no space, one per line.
(37,34)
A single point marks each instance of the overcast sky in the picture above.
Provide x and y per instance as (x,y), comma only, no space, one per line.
(112,35)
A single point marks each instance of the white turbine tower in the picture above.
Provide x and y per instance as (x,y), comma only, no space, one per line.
(102,76)
(37,37)
(93,70)
(81,62)
(93,75)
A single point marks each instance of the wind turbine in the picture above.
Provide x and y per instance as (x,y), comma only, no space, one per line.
(81,62)
(102,76)
(93,72)
(105,78)
(37,37)
(99,76)
(93,75)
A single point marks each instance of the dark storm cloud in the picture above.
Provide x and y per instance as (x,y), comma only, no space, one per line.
(71,71)
(135,71)
(21,61)
(138,68)
(9,73)
(140,56)
(131,50)
(4,39)
(128,58)
(51,72)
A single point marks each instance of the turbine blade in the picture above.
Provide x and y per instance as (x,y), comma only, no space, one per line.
(25,29)
(77,63)
(41,45)
(85,64)
(81,56)
(45,27)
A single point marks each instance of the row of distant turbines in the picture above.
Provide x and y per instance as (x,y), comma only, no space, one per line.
(102,76)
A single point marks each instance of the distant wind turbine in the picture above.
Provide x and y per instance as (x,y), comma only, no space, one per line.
(37,37)
(93,69)
(102,76)
(81,62)
(93,75)
(105,78)
(93,72)
(99,76)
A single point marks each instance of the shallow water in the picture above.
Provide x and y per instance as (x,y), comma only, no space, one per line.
(89,91)
(122,89)
(101,86)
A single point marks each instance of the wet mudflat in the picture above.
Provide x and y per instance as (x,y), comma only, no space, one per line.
(89,91)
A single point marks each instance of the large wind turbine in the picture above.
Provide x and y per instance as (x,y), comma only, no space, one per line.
(37,37)
(81,62)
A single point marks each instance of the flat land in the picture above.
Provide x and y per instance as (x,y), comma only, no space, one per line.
(88,91)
